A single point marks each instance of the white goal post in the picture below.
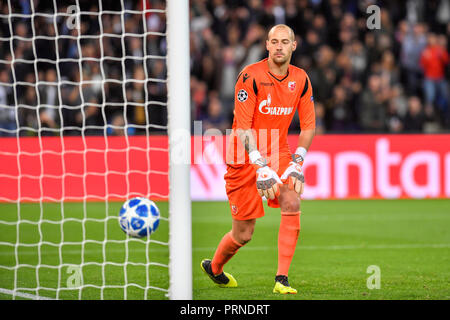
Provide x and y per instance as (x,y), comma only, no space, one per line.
(179,124)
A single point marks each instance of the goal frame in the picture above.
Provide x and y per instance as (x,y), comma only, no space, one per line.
(178,114)
(180,286)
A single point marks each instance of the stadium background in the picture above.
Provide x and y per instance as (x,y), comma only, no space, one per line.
(364,80)
(376,97)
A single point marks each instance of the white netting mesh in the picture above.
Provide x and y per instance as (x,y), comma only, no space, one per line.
(82,93)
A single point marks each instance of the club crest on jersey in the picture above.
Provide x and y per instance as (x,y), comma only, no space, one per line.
(292,85)
(242,95)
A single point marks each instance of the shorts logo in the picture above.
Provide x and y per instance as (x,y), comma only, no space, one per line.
(242,95)
(234,209)
(245,77)
(292,85)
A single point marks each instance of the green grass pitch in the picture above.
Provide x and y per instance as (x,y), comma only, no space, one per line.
(409,240)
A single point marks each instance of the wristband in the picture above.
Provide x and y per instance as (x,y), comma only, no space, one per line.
(301,152)
(299,155)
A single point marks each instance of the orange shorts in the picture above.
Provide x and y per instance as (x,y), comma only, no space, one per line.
(245,202)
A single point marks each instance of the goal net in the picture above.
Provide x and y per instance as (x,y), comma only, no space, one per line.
(90,117)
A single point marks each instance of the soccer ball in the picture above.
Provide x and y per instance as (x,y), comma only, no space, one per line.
(139,217)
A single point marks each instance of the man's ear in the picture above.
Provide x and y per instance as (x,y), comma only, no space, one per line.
(294,45)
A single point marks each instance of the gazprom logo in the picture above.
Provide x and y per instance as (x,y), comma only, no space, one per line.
(265,108)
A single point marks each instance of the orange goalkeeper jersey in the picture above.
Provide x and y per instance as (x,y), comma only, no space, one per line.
(267,103)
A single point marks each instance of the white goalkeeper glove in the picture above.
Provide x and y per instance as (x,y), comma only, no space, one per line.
(267,180)
(294,172)
(295,175)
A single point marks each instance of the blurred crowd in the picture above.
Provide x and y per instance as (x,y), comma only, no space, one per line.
(103,73)
(392,80)
(99,74)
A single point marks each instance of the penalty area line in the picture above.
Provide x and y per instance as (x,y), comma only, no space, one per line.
(24,295)
(274,247)
(343,247)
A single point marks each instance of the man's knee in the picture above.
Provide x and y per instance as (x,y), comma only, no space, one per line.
(290,203)
(245,237)
(243,231)
(289,200)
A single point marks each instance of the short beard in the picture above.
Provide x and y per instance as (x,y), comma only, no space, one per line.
(285,60)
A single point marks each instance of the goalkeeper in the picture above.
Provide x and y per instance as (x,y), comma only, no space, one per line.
(267,94)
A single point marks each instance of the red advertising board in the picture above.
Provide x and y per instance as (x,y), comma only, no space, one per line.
(349,167)
(93,168)
(377,166)
(117,168)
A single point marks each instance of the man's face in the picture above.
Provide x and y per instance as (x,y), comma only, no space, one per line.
(280,45)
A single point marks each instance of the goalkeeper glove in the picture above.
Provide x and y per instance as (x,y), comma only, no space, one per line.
(295,175)
(267,182)
(294,172)
(267,179)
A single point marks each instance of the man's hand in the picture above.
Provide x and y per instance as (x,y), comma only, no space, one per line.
(267,182)
(295,175)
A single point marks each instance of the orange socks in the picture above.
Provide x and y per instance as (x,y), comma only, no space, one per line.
(287,240)
(225,251)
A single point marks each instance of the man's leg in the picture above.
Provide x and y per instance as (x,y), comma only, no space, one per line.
(287,236)
(245,207)
(241,233)
(429,90)
(443,97)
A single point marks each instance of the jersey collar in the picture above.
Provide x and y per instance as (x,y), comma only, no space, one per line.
(274,76)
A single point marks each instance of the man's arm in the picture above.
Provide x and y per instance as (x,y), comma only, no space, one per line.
(245,104)
(304,142)
(307,125)
(307,118)
(305,138)
(267,180)
(248,141)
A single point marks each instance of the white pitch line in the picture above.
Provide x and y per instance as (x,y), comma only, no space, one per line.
(343,247)
(24,295)
(258,248)
(376,246)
